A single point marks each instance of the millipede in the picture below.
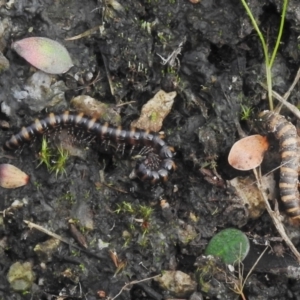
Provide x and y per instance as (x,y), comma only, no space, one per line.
(156,160)
(286,133)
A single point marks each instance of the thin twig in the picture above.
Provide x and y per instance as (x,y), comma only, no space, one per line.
(296,79)
(84,34)
(125,103)
(275,216)
(50,233)
(58,237)
(265,50)
(110,82)
(99,184)
(283,99)
(132,283)
(254,265)
(239,283)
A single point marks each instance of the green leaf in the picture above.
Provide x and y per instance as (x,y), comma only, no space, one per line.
(231,245)
(44,54)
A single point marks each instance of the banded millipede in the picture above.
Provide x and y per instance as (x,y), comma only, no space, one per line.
(286,133)
(157,159)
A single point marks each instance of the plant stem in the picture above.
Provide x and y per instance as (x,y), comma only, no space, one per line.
(285,4)
(269,62)
(269,85)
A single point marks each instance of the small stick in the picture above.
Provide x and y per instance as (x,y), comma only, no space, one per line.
(132,283)
(275,216)
(60,238)
(288,105)
(283,99)
(110,82)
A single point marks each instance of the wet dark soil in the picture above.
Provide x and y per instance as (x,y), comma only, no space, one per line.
(128,229)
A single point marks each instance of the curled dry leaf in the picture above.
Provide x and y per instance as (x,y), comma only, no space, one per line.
(96,109)
(248,153)
(249,194)
(11,177)
(45,250)
(154,111)
(177,283)
(44,54)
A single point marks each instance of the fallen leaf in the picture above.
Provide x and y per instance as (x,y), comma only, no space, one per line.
(154,111)
(248,153)
(177,283)
(96,109)
(250,195)
(11,177)
(44,54)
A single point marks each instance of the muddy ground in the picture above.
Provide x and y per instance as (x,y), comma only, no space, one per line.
(217,70)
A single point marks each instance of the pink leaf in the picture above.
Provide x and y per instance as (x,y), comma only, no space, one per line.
(12,177)
(248,153)
(44,54)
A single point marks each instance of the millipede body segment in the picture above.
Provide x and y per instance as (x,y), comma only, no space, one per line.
(157,158)
(286,133)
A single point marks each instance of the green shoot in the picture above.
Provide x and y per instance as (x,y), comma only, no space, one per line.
(45,154)
(269,60)
(141,216)
(125,207)
(145,211)
(60,162)
(37,185)
(54,159)
(246,112)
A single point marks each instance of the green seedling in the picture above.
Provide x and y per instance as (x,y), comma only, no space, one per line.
(269,59)
(82,267)
(45,154)
(145,211)
(38,185)
(86,195)
(59,164)
(54,159)
(127,236)
(246,112)
(132,227)
(139,211)
(141,216)
(67,197)
(75,253)
(205,273)
(144,242)
(124,207)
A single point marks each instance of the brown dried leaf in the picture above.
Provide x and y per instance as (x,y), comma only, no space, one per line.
(250,195)
(154,111)
(96,109)
(248,153)
(11,177)
(177,283)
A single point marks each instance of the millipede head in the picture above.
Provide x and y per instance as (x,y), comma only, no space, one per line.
(143,172)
